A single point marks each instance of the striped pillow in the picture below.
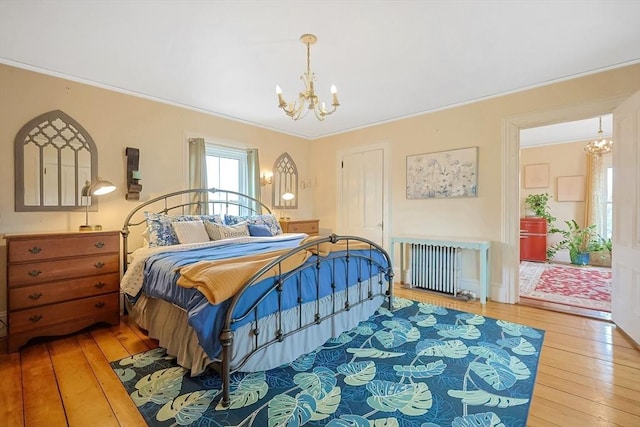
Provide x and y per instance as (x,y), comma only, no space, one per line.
(190,231)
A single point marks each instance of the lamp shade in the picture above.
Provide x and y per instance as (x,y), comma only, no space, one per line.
(98,188)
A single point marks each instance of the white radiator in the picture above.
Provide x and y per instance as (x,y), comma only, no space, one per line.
(436,268)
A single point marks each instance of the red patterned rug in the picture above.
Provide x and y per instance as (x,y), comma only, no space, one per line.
(578,286)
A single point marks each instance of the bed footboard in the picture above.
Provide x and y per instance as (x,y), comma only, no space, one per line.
(343,273)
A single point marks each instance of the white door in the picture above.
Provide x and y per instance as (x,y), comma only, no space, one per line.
(362,194)
(625,293)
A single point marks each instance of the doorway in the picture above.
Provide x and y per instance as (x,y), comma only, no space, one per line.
(555,167)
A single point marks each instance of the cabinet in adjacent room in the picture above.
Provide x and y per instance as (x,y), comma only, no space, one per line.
(533,239)
(59,283)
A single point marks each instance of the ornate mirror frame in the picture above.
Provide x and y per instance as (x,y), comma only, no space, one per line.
(285,180)
(53,152)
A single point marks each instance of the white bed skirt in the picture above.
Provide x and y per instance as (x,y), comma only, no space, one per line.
(168,324)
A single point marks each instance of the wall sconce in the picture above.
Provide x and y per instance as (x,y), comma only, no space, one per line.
(97,189)
(266,178)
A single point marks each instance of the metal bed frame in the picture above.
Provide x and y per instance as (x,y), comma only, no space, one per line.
(376,279)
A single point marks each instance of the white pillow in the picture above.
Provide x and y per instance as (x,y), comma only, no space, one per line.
(190,231)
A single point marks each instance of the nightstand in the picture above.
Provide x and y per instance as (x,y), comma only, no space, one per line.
(59,283)
(309,226)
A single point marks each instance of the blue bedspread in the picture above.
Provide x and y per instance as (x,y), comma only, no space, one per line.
(160,276)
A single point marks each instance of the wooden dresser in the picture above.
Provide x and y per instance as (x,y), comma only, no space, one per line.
(59,283)
(309,226)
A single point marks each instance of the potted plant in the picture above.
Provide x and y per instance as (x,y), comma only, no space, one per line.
(602,257)
(580,242)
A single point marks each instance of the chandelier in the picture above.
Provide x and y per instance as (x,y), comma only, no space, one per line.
(599,146)
(308,97)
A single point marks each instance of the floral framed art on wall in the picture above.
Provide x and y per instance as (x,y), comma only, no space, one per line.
(444,174)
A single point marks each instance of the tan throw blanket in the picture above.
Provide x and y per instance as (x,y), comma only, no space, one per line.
(325,248)
(221,279)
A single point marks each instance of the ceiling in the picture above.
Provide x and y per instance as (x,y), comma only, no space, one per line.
(389,59)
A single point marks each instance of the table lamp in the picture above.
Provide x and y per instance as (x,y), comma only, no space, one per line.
(99,188)
(286,197)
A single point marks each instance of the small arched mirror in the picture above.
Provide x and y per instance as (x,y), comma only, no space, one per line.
(285,180)
(54,158)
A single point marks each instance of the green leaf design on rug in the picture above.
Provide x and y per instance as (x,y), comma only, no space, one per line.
(328,405)
(491,351)
(432,309)
(424,320)
(471,319)
(485,419)
(519,369)
(519,346)
(399,303)
(467,332)
(481,397)
(126,374)
(340,340)
(288,411)
(249,390)
(358,373)
(159,387)
(497,375)
(187,408)
(304,362)
(516,330)
(397,337)
(454,349)
(146,358)
(358,421)
(420,371)
(365,328)
(410,399)
(373,353)
(317,383)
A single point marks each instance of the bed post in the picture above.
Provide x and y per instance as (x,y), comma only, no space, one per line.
(390,282)
(226,340)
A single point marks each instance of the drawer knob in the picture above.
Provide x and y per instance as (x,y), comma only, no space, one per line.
(34,250)
(35,318)
(35,273)
(99,245)
(34,296)
(99,304)
(98,264)
(99,285)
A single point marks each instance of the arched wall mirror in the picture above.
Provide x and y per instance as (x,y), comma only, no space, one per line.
(285,180)
(54,158)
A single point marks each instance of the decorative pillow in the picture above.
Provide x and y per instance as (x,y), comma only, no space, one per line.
(221,232)
(258,230)
(160,231)
(269,220)
(190,231)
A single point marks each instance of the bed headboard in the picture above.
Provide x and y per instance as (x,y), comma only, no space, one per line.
(201,201)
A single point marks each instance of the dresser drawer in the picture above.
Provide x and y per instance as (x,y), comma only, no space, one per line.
(48,293)
(303,227)
(39,272)
(47,315)
(46,247)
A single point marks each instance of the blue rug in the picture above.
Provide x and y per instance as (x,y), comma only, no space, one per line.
(422,365)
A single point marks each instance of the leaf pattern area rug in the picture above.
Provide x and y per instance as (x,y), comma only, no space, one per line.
(419,365)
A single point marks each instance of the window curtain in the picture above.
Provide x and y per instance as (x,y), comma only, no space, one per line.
(594,193)
(198,174)
(253,176)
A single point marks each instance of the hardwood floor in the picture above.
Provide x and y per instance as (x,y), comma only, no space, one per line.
(589,372)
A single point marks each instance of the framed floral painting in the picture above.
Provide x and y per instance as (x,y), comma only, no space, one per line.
(444,174)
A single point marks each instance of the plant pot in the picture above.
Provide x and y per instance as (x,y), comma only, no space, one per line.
(579,258)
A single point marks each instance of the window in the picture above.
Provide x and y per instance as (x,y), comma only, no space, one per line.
(227,170)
